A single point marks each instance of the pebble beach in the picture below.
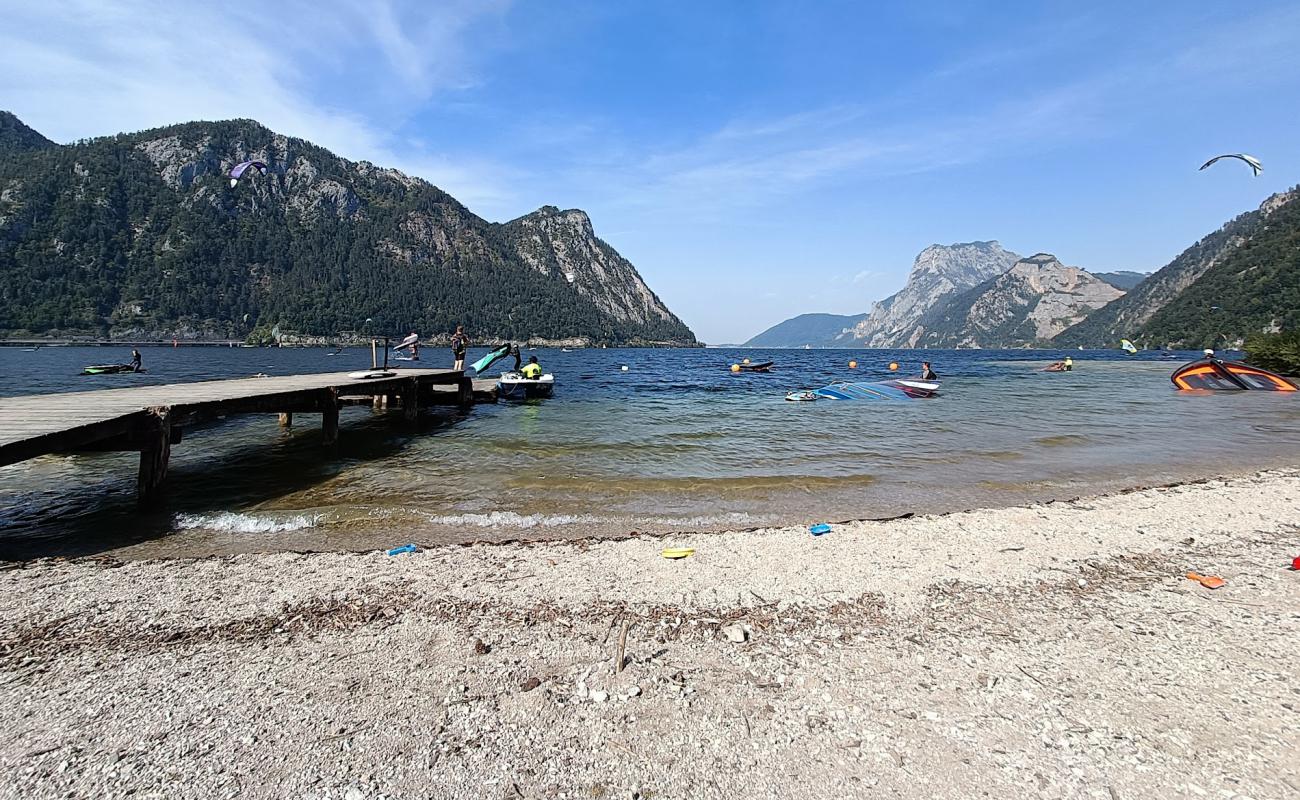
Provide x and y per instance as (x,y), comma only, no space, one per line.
(1052,650)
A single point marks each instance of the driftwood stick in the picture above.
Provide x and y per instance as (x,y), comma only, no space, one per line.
(622,647)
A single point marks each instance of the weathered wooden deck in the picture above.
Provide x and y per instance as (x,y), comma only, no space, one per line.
(150,419)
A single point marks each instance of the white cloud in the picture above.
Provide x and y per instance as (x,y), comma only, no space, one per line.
(77,68)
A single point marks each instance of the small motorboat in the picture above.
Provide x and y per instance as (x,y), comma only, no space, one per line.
(109,369)
(802,396)
(1219,375)
(893,389)
(514,386)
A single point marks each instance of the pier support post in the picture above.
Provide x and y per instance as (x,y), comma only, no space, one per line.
(330,417)
(286,419)
(465,393)
(154,457)
(411,399)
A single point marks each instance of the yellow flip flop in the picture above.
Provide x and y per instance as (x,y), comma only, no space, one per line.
(677,552)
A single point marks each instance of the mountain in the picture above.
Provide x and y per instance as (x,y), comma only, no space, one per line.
(1253,289)
(15,136)
(938,274)
(1027,305)
(813,330)
(1128,316)
(141,236)
(1122,279)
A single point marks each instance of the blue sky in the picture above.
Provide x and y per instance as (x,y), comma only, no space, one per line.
(755,160)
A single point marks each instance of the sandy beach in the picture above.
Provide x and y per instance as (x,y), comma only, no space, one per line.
(1054,650)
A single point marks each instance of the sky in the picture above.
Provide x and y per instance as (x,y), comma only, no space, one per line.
(754,160)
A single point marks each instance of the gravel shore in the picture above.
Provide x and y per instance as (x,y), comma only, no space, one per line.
(1055,650)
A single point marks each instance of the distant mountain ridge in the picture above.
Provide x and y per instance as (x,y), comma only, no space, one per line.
(140,236)
(808,330)
(1025,306)
(1129,316)
(1122,279)
(939,273)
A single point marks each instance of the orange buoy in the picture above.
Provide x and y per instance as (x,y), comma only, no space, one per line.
(853,365)
(893,366)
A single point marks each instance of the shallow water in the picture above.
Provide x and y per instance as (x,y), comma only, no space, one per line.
(674,442)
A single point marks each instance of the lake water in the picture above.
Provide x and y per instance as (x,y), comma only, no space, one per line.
(675,442)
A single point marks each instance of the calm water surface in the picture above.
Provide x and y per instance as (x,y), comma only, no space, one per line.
(674,442)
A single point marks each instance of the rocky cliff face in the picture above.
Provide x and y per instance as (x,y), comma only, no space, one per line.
(563,245)
(142,232)
(939,273)
(1127,316)
(1028,304)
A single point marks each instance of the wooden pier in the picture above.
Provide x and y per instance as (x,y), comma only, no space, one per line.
(150,419)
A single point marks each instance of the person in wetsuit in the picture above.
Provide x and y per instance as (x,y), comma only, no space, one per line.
(928,374)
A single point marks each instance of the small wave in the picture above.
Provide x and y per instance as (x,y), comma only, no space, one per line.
(510,519)
(231,522)
(1062,440)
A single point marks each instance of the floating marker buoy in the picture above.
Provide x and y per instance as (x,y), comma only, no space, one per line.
(735,368)
(744,360)
(623,368)
(853,365)
(893,366)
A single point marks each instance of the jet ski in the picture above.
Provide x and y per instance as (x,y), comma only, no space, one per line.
(1219,375)
(514,386)
(109,369)
(893,389)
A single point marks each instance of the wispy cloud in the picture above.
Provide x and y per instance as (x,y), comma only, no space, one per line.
(83,68)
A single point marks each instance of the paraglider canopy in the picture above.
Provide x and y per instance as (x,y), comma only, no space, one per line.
(1253,162)
(239,169)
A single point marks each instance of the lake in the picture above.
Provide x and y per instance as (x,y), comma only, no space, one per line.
(675,442)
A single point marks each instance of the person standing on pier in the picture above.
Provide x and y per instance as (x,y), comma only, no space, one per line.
(459,341)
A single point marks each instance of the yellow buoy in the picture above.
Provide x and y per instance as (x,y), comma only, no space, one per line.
(744,360)
(735,368)
(893,366)
(853,365)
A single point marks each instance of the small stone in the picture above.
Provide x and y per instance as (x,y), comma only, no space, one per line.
(354,794)
(735,633)
(600,696)
(530,684)
(634,691)
(481,648)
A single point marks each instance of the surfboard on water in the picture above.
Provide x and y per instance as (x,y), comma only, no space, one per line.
(370,374)
(491,358)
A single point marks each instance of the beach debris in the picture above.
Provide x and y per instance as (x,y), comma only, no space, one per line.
(677,552)
(1295,563)
(406,548)
(1208,581)
(621,657)
(735,633)
(819,529)
(481,648)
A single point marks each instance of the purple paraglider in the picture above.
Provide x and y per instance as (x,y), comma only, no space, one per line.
(239,169)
